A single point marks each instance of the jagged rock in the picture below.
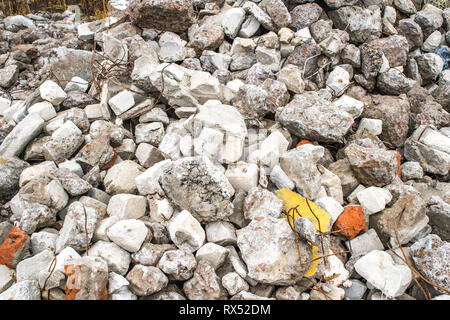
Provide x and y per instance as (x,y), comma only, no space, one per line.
(205,284)
(362,24)
(413,218)
(276,236)
(378,268)
(362,161)
(431,257)
(211,191)
(177,17)
(307,113)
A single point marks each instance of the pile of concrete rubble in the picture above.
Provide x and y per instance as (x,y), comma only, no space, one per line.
(143,156)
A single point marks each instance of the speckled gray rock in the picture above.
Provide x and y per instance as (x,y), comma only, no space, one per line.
(205,284)
(435,261)
(71,182)
(411,31)
(300,164)
(146,280)
(277,10)
(430,65)
(259,14)
(312,117)
(234,283)
(362,162)
(206,181)
(281,266)
(118,259)
(394,112)
(10,170)
(73,233)
(363,24)
(262,202)
(31,215)
(121,177)
(23,290)
(163,14)
(413,220)
(149,254)
(431,156)
(178,264)
(304,15)
(411,170)
(18,139)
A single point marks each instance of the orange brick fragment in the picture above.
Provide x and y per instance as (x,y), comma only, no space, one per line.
(12,245)
(303,142)
(351,221)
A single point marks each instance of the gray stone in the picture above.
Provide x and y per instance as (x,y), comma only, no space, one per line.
(72,183)
(29,269)
(177,17)
(356,291)
(262,203)
(128,234)
(411,170)
(439,214)
(25,131)
(150,254)
(43,240)
(259,14)
(433,263)
(7,277)
(362,24)
(206,180)
(428,147)
(205,284)
(23,290)
(121,178)
(306,229)
(11,169)
(413,220)
(282,266)
(127,206)
(365,243)
(186,232)
(221,232)
(232,21)
(312,117)
(300,164)
(214,254)
(73,233)
(362,161)
(118,259)
(8,76)
(178,264)
(63,143)
(234,283)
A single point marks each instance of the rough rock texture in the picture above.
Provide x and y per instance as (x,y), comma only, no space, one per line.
(264,266)
(165,150)
(197,185)
(433,263)
(313,117)
(175,16)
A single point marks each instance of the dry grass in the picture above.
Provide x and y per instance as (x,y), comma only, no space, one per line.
(92,8)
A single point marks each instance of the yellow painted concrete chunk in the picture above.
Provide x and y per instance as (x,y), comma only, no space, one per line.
(320,218)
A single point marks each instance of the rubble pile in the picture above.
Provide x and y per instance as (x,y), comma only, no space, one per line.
(226,149)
